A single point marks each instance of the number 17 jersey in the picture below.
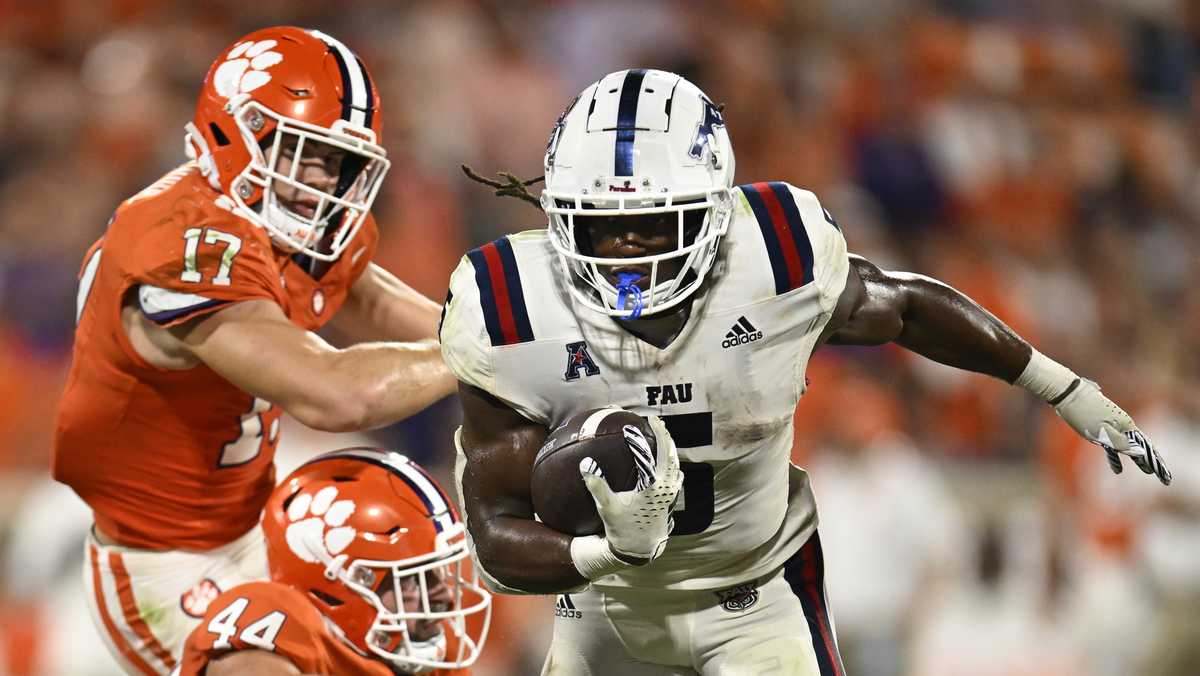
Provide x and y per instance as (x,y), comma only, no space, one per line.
(179,459)
(726,387)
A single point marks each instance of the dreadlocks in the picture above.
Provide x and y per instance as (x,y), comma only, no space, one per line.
(511,186)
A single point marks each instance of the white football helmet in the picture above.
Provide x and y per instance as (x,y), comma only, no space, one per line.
(639,142)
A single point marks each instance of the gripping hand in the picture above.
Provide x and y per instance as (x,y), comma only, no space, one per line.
(637,522)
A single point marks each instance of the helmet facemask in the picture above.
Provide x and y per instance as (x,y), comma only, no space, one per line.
(432,589)
(337,212)
(701,219)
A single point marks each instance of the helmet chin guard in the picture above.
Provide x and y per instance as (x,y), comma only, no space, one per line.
(639,142)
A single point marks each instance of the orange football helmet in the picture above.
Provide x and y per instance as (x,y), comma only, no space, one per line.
(301,96)
(375,544)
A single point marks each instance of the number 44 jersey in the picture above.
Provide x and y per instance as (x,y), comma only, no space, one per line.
(726,387)
(179,459)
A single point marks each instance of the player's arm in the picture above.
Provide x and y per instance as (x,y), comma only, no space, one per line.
(381,307)
(257,348)
(516,551)
(251,662)
(942,324)
(518,554)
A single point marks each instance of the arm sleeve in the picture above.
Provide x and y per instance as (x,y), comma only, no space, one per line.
(466,348)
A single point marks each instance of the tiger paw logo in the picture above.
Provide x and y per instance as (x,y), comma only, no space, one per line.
(317,531)
(195,601)
(245,68)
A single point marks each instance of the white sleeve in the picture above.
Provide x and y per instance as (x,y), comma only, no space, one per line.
(466,348)
(831,261)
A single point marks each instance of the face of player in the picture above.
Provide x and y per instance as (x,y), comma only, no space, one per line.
(319,167)
(631,237)
(410,589)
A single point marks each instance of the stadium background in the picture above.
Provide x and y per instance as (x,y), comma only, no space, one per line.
(1041,156)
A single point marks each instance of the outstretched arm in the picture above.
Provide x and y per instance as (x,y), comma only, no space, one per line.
(381,307)
(938,322)
(925,316)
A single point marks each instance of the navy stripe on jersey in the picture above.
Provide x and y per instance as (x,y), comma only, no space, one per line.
(805,574)
(500,293)
(168,316)
(631,90)
(784,234)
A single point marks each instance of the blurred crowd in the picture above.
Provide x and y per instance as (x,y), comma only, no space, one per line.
(1043,157)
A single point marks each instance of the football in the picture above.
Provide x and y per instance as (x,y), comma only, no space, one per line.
(560,498)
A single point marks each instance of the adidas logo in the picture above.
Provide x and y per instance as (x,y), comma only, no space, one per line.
(565,607)
(742,332)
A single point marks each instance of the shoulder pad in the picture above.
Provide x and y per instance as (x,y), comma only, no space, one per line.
(804,243)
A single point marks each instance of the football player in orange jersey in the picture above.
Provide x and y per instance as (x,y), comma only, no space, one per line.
(195,322)
(367,563)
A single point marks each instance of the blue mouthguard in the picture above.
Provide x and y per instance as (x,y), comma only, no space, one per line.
(627,289)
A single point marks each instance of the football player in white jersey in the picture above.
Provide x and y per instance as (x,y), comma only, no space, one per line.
(661,288)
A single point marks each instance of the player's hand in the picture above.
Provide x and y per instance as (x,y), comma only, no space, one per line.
(637,522)
(1096,418)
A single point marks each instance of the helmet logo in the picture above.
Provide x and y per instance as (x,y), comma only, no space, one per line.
(245,68)
(316,533)
(556,133)
(712,118)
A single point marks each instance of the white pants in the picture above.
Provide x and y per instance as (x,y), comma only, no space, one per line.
(145,603)
(778,625)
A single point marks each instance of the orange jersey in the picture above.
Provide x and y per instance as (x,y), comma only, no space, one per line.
(273,616)
(179,459)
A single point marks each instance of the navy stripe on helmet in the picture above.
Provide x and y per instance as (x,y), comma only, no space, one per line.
(436,503)
(370,107)
(356,88)
(631,90)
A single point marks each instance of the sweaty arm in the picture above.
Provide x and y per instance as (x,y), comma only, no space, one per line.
(257,348)
(500,446)
(927,317)
(381,307)
(937,322)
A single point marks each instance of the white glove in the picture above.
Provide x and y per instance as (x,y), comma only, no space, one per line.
(637,522)
(1096,418)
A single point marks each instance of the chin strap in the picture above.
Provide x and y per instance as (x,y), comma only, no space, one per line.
(625,289)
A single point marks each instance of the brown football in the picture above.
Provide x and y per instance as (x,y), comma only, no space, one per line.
(560,498)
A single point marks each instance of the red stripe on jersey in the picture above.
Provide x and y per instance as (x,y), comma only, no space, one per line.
(812,584)
(780,222)
(508,325)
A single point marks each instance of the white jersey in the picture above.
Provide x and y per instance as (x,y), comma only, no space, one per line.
(726,387)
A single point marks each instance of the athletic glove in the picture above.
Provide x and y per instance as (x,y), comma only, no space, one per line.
(637,522)
(1095,417)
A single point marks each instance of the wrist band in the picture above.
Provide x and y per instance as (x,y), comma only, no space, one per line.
(593,558)
(1046,379)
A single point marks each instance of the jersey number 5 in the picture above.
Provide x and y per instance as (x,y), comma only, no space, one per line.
(694,511)
(260,634)
(211,236)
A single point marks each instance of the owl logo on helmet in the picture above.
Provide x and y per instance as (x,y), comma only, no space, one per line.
(288,127)
(377,547)
(639,142)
